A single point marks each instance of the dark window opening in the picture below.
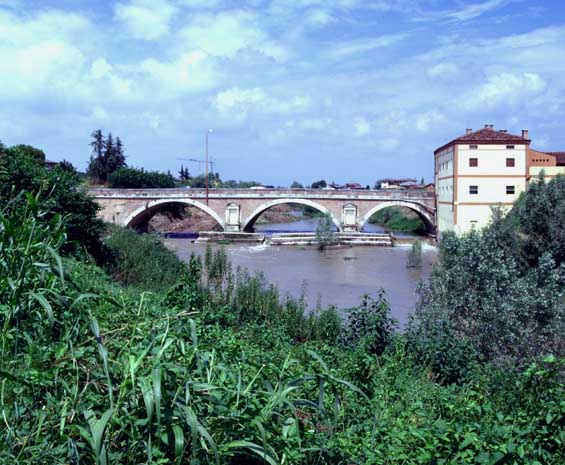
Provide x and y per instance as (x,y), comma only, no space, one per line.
(510,162)
(473,189)
(473,162)
(510,190)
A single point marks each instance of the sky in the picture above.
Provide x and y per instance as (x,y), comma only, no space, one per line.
(344,90)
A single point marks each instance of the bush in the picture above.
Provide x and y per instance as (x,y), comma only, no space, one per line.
(491,300)
(325,235)
(142,260)
(370,325)
(23,169)
(414,259)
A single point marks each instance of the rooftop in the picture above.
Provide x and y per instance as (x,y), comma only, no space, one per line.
(560,157)
(489,135)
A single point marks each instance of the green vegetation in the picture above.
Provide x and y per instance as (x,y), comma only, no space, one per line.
(398,219)
(107,157)
(219,368)
(325,235)
(319,184)
(138,178)
(62,194)
(414,259)
(496,295)
(141,260)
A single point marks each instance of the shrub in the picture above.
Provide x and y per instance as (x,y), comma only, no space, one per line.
(370,325)
(487,298)
(142,260)
(325,235)
(60,193)
(414,259)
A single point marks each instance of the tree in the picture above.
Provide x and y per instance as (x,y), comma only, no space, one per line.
(107,156)
(422,181)
(296,185)
(97,165)
(325,235)
(135,178)
(24,170)
(484,303)
(28,150)
(540,216)
(319,184)
(415,256)
(184,174)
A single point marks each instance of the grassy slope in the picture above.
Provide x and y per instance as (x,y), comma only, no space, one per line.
(231,375)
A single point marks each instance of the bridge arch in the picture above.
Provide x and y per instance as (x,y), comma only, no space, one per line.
(416,207)
(150,208)
(250,220)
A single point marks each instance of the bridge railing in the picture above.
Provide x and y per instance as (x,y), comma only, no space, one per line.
(286,192)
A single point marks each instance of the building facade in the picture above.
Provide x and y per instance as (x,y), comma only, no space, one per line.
(483,169)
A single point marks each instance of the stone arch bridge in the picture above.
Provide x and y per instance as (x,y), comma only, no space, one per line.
(238,209)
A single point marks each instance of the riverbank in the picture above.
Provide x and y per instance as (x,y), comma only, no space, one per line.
(337,276)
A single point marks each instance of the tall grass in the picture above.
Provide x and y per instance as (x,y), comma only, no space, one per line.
(219,369)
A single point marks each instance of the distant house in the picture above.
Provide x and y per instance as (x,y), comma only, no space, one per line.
(353,185)
(402,183)
(49,164)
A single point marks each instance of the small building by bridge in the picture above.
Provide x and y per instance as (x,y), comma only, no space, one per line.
(239,209)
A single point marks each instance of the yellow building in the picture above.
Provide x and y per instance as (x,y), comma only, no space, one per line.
(482,169)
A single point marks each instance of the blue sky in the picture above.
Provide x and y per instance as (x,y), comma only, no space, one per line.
(346,90)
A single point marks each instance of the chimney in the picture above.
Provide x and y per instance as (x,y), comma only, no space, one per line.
(503,131)
(488,126)
(468,131)
(525,134)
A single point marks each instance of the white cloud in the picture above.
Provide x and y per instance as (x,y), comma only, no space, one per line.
(146,19)
(355,47)
(475,10)
(506,89)
(236,101)
(191,72)
(443,70)
(362,127)
(200,3)
(227,33)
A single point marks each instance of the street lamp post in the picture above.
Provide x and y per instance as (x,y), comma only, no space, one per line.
(206,163)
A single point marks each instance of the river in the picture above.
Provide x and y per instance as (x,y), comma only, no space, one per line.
(339,276)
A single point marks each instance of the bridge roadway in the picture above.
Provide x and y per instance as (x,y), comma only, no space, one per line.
(238,209)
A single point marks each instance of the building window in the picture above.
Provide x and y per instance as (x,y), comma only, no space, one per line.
(473,147)
(510,162)
(473,189)
(511,190)
(473,162)
(510,147)
(473,223)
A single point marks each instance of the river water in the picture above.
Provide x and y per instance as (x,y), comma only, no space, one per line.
(339,276)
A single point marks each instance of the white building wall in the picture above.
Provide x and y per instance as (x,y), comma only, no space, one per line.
(444,189)
(492,160)
(491,176)
(490,190)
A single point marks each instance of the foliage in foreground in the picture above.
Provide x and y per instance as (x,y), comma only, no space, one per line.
(208,372)
(496,295)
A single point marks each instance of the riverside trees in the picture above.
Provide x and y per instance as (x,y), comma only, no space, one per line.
(497,295)
(107,156)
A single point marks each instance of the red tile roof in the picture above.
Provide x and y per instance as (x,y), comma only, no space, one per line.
(487,135)
(560,157)
(491,135)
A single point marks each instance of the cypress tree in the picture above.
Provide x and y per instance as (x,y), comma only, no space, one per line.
(96,166)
